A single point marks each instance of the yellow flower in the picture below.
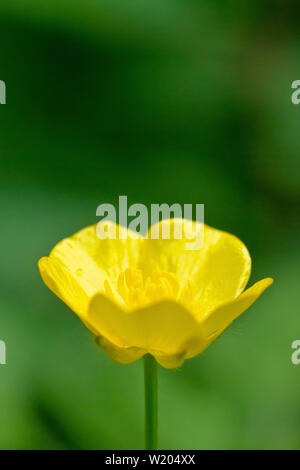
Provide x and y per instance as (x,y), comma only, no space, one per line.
(143,295)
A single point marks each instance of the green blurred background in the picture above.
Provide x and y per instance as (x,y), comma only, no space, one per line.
(164,101)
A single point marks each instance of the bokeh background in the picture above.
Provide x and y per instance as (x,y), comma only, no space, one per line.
(163,101)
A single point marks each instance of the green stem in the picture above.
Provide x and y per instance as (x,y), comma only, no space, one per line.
(151,419)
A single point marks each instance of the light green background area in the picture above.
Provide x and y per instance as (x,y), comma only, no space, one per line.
(174,101)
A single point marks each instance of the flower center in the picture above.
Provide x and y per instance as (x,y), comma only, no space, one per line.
(137,291)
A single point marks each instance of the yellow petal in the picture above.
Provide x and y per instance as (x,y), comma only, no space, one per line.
(223,316)
(131,354)
(81,265)
(219,270)
(121,355)
(191,348)
(171,361)
(163,329)
(59,280)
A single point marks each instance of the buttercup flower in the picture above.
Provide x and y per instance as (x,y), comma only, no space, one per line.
(143,295)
